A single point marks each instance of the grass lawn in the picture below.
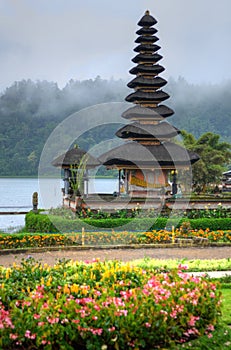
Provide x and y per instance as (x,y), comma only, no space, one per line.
(226,307)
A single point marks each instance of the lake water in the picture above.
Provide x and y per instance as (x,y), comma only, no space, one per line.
(16,195)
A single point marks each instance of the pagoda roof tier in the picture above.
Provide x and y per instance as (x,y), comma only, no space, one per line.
(73,157)
(149,70)
(147,20)
(151,58)
(154,97)
(146,39)
(140,81)
(159,131)
(147,113)
(146,48)
(163,154)
(146,31)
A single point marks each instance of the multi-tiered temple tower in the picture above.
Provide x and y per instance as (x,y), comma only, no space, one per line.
(145,160)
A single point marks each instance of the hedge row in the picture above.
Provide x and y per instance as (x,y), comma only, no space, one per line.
(213,224)
(43,223)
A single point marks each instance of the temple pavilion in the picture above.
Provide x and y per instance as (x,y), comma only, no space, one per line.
(148,156)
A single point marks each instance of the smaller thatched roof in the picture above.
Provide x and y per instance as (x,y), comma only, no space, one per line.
(147,20)
(140,68)
(159,131)
(157,113)
(145,39)
(147,48)
(140,81)
(154,97)
(73,157)
(148,31)
(144,58)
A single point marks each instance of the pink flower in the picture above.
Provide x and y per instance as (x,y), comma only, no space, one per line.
(53,320)
(147,325)
(213,286)
(45,306)
(182,267)
(193,320)
(13,336)
(29,335)
(210,327)
(75,321)
(96,307)
(173,314)
(36,316)
(96,331)
(65,320)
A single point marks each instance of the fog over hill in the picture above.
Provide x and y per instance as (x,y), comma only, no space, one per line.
(30,110)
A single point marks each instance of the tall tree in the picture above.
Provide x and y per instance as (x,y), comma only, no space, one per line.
(214,154)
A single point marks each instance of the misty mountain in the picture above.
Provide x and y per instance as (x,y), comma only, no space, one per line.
(201,108)
(29,111)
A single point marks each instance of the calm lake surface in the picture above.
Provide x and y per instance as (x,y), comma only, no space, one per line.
(16,195)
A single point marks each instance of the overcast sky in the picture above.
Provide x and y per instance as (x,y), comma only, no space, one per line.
(59,40)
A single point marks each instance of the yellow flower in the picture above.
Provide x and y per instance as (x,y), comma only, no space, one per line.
(74,288)
(8,273)
(49,281)
(66,289)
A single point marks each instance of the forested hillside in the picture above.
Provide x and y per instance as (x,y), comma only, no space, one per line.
(29,111)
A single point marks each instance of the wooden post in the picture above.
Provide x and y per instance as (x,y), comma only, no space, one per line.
(83,236)
(87,180)
(119,181)
(173,235)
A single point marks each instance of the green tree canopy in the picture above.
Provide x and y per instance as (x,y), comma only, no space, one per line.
(214,154)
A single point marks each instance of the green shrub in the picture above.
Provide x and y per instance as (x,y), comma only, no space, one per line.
(213,224)
(38,222)
(45,223)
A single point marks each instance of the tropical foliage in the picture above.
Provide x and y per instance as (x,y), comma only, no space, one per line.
(214,154)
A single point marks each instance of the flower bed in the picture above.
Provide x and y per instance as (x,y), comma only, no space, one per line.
(103,305)
(166,236)
(29,240)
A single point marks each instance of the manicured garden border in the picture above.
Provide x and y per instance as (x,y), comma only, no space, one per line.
(39,222)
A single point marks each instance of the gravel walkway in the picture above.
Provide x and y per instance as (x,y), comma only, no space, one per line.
(51,257)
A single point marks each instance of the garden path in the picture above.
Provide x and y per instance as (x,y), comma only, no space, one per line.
(51,257)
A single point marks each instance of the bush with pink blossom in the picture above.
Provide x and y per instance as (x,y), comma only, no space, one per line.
(103,305)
